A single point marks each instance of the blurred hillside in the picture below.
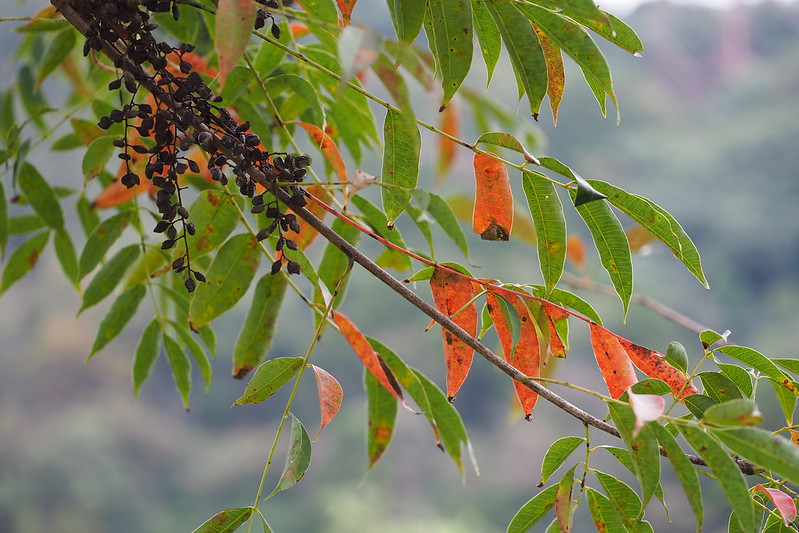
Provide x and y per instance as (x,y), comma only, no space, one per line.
(710,122)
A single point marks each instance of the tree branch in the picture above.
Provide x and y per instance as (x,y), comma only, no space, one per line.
(66,8)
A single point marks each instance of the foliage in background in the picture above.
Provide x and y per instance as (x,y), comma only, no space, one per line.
(313,84)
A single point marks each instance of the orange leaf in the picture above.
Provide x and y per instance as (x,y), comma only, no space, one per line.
(527,357)
(450,294)
(554,315)
(234,22)
(330,396)
(327,147)
(492,217)
(307,233)
(575,251)
(794,436)
(116,194)
(346,6)
(617,369)
(367,355)
(556,77)
(446,150)
(638,237)
(654,365)
(298,29)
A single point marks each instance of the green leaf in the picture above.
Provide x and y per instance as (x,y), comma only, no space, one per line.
(101,240)
(658,222)
(88,216)
(381,408)
(550,226)
(685,472)
(740,411)
(97,155)
(442,213)
(603,513)
(677,357)
(65,251)
(575,41)
(258,330)
(335,263)
(21,224)
(23,259)
(226,521)
(298,458)
(118,316)
(448,25)
(270,56)
(726,471)
(623,497)
(505,140)
(377,220)
(407,17)
(512,320)
(651,386)
(698,404)
(146,354)
(197,353)
(41,196)
(524,50)
(759,362)
(109,276)
(215,217)
(487,36)
(763,448)
(567,299)
(181,368)
(58,49)
(400,163)
(228,277)
(449,423)
(268,378)
(564,507)
(585,193)
(709,337)
(719,387)
(235,84)
(787,401)
(423,274)
(611,243)
(617,32)
(558,452)
(301,87)
(4,223)
(643,447)
(323,10)
(533,511)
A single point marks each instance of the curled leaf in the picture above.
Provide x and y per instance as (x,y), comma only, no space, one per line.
(453,296)
(784,503)
(330,396)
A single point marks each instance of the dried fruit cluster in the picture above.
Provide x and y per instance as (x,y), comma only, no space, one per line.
(163,134)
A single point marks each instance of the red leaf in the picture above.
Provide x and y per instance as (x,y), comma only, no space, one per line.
(346,7)
(450,294)
(446,150)
(555,314)
(654,365)
(366,354)
(234,22)
(784,504)
(492,218)
(575,251)
(527,356)
(330,396)
(617,369)
(327,147)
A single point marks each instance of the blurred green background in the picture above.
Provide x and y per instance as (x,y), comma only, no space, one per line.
(709,130)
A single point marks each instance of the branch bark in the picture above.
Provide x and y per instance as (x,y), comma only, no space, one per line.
(66,8)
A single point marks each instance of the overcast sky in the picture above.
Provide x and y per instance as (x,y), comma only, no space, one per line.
(623,7)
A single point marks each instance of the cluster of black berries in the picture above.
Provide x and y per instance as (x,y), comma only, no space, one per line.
(180,101)
(262,15)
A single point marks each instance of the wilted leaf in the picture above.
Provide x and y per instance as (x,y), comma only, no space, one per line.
(556,77)
(234,22)
(493,202)
(616,367)
(346,7)
(269,378)
(564,508)
(454,294)
(330,396)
